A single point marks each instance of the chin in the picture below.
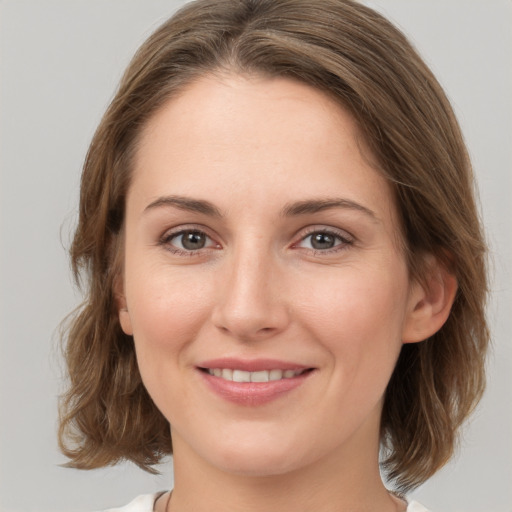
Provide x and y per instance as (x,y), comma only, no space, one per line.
(258,459)
(263,466)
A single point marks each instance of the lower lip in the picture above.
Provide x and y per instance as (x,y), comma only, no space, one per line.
(253,393)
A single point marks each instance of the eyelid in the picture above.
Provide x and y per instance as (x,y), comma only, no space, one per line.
(173,232)
(345,237)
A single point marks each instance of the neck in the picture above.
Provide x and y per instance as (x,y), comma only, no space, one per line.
(336,483)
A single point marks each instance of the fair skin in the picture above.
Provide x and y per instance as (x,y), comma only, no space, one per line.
(260,237)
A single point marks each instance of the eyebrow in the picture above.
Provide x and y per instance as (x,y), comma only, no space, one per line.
(187,204)
(304,207)
(318,205)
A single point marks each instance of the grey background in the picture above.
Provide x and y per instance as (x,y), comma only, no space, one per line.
(60,61)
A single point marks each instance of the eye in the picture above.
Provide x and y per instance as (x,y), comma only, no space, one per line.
(188,240)
(324,240)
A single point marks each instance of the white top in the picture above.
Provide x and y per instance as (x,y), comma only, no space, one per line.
(146,502)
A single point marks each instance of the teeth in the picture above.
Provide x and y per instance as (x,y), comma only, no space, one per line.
(261,376)
(275,374)
(226,374)
(241,376)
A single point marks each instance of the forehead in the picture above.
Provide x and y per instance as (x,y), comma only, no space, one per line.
(237,105)
(273,138)
(229,109)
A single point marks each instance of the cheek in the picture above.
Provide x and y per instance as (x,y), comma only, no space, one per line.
(166,310)
(357,300)
(166,313)
(358,316)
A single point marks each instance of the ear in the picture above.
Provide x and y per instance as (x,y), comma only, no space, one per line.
(430,302)
(122,308)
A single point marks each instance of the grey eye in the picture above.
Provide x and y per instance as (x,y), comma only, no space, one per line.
(192,240)
(322,241)
(188,241)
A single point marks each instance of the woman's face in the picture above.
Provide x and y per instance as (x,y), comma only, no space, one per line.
(263,281)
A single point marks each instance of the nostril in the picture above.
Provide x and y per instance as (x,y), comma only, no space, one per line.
(247,321)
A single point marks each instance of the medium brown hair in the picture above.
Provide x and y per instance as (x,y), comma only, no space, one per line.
(368,66)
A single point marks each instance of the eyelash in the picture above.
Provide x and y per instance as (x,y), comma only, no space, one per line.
(343,238)
(168,236)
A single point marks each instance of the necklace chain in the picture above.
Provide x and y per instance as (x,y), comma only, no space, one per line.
(392,493)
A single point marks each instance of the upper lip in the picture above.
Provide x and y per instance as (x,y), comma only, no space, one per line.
(251,365)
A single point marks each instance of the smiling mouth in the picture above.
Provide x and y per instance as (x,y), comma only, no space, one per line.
(253,383)
(259,376)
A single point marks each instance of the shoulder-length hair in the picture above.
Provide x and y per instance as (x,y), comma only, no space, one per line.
(358,58)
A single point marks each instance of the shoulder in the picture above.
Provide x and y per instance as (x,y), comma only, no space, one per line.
(146,503)
(143,503)
(414,506)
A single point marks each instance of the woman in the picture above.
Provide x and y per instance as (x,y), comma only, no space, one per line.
(278,279)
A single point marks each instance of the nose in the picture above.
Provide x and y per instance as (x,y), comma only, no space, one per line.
(252,301)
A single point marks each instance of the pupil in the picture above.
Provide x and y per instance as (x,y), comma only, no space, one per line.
(322,241)
(193,240)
